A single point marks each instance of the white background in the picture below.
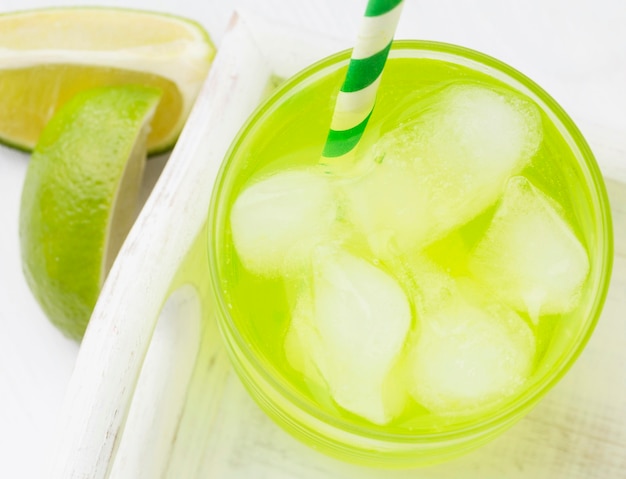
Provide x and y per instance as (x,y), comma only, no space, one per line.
(575,49)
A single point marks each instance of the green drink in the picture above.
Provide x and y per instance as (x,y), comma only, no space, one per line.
(416,303)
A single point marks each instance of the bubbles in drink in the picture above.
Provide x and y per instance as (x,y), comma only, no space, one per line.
(529,256)
(441,168)
(348,329)
(276,221)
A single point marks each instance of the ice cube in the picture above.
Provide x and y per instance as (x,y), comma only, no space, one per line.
(529,255)
(467,358)
(470,352)
(348,330)
(387,206)
(442,168)
(276,221)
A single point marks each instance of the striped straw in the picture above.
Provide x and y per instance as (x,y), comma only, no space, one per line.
(357,96)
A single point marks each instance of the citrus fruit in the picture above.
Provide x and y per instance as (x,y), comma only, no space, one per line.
(49,55)
(79,198)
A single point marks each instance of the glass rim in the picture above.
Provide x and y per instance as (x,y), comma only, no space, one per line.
(509,410)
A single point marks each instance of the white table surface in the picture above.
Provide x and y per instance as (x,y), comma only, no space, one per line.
(575,49)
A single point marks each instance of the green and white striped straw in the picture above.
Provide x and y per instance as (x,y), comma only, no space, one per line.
(357,96)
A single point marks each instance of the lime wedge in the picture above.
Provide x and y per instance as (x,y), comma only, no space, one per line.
(79,198)
(47,56)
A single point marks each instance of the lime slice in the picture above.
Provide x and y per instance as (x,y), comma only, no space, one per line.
(80,198)
(47,56)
